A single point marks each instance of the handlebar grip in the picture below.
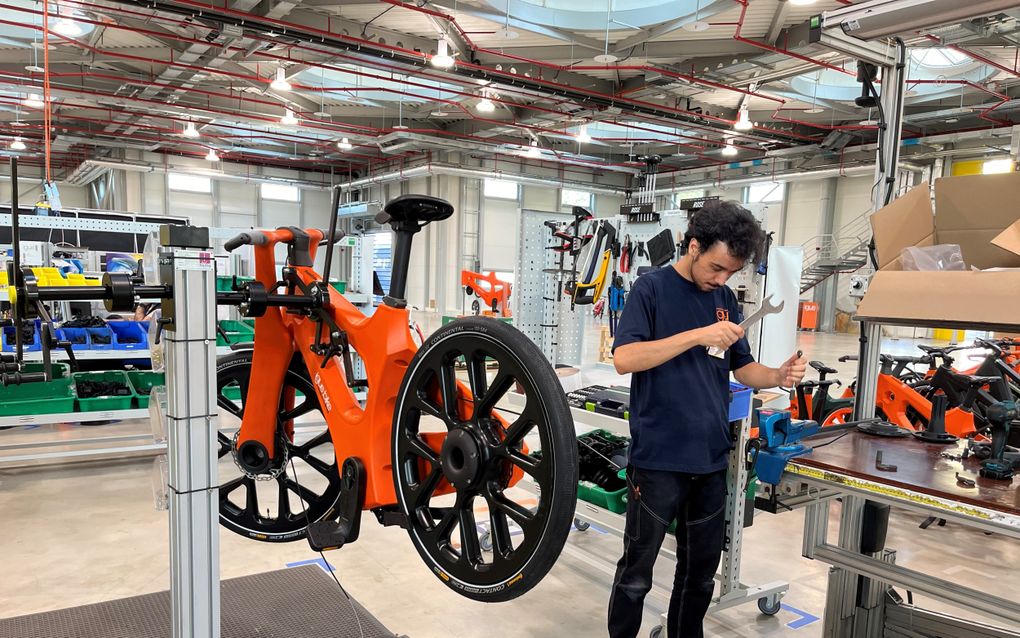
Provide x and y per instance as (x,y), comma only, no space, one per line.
(337,236)
(255,238)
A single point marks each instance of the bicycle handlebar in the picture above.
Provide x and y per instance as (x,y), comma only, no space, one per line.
(259,238)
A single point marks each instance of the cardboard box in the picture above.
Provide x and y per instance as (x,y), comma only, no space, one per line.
(981,213)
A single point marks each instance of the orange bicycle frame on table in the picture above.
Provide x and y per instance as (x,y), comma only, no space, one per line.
(382,458)
(491,289)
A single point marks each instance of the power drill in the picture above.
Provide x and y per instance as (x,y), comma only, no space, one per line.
(1000,465)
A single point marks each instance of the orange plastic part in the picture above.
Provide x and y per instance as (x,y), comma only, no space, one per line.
(489,288)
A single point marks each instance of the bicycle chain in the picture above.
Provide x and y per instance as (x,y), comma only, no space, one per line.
(273,474)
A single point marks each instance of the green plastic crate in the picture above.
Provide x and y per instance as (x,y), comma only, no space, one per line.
(142,381)
(615,501)
(339,286)
(51,397)
(237,332)
(225,284)
(99,404)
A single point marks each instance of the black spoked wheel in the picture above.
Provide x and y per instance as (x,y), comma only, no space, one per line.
(272,506)
(456,451)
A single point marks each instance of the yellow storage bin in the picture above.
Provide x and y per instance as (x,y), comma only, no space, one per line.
(74,279)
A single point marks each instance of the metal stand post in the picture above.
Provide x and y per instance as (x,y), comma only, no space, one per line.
(190,346)
(867,369)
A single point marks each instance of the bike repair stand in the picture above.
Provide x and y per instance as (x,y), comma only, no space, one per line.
(189,336)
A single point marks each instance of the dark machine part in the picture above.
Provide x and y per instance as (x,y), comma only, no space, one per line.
(612,401)
(866,75)
(661,248)
(579,398)
(330,534)
(883,467)
(596,452)
(1001,465)
(874,526)
(936,430)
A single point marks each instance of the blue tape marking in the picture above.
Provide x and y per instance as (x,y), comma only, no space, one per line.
(323,565)
(804,620)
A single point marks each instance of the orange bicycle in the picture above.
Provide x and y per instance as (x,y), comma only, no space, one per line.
(424,449)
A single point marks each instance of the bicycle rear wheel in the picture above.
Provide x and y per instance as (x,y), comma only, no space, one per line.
(457,451)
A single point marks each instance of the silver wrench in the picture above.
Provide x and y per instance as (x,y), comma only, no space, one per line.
(766,308)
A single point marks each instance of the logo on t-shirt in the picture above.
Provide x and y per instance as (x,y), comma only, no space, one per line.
(722,314)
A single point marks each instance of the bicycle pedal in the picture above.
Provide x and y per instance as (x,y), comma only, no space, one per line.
(324,536)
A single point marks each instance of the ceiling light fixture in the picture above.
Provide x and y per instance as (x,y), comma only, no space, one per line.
(442,59)
(743,122)
(211,156)
(582,134)
(67,27)
(288,118)
(729,150)
(801,3)
(344,144)
(814,109)
(33,101)
(17,145)
(485,105)
(698,24)
(190,131)
(280,83)
(534,150)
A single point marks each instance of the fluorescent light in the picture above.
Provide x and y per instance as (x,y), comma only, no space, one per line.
(442,59)
(485,105)
(582,134)
(344,144)
(33,101)
(190,130)
(814,109)
(990,167)
(743,122)
(17,145)
(288,118)
(729,150)
(534,150)
(211,156)
(280,83)
(68,27)
(801,3)
(696,26)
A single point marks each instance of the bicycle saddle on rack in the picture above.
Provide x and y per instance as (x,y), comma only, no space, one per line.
(416,209)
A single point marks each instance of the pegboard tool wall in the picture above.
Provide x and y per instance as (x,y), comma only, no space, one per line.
(537,313)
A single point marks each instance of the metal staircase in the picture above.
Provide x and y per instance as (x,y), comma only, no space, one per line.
(844,251)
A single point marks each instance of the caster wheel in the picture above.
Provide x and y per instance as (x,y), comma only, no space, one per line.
(468,290)
(476,308)
(581,525)
(485,542)
(768,606)
(495,306)
(656,632)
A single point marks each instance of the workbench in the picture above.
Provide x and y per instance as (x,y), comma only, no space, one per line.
(843,465)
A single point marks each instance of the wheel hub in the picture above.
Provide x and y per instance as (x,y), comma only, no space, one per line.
(462,458)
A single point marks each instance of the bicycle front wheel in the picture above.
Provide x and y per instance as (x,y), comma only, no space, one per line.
(458,451)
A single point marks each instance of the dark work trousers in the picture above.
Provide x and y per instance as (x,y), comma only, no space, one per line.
(654,499)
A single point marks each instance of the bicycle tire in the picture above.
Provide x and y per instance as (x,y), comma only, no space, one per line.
(510,574)
(294,525)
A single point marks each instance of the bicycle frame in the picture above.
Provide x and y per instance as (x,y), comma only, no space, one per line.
(382,340)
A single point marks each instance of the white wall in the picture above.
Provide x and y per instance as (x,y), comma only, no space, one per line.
(853,199)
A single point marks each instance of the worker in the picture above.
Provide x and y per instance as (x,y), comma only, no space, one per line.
(678,414)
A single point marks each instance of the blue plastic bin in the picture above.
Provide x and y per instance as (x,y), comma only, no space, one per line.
(8,341)
(130,335)
(78,337)
(104,333)
(740,401)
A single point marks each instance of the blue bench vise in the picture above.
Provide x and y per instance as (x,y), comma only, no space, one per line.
(778,436)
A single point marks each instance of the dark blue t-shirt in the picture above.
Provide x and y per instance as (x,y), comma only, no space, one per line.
(678,410)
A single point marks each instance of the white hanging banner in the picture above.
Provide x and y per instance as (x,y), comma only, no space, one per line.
(782,282)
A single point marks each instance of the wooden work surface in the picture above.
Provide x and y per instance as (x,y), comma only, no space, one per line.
(919,467)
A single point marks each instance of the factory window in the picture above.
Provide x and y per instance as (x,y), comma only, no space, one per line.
(501,189)
(280,192)
(570,197)
(189,183)
(764,193)
(1004,165)
(679,196)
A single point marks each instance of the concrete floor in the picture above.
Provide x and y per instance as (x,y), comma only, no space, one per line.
(84,533)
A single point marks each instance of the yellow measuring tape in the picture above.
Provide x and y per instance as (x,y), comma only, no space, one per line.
(889,491)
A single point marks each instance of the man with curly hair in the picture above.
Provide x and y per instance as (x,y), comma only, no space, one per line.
(678,414)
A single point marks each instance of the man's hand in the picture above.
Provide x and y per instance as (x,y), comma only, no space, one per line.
(792,370)
(721,334)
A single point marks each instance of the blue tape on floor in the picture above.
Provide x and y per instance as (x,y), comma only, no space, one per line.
(804,620)
(323,565)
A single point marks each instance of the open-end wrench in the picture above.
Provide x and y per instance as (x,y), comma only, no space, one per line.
(766,308)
